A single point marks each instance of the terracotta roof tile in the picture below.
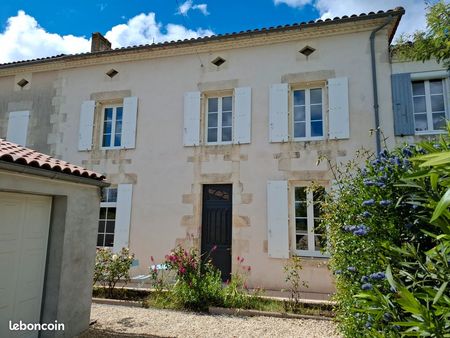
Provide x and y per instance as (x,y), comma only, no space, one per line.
(12,152)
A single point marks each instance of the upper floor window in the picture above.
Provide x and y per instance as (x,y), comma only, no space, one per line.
(107,218)
(307,113)
(429,105)
(219,119)
(112,127)
(309,237)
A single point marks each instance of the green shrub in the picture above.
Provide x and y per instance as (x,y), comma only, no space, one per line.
(111,268)
(236,293)
(390,260)
(292,270)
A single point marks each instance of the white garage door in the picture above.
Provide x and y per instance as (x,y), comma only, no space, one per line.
(24,226)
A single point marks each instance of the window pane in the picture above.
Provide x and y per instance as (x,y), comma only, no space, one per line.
(419,104)
(316,128)
(109,240)
(102,213)
(418,88)
(101,226)
(212,120)
(227,103)
(110,227)
(316,112)
(106,140)
(117,139)
(118,127)
(212,134)
(300,209)
(112,195)
(319,242)
(299,113)
(119,113)
(438,121)
(318,198)
(226,134)
(107,127)
(436,87)
(302,242)
(300,194)
(299,97)
(111,213)
(437,103)
(420,122)
(301,225)
(317,227)
(316,95)
(300,129)
(213,104)
(100,238)
(226,120)
(108,114)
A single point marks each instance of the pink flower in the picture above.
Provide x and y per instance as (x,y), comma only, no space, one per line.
(214,248)
(182,270)
(249,268)
(238,258)
(242,259)
(152,259)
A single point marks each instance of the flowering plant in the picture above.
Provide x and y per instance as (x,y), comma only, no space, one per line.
(110,268)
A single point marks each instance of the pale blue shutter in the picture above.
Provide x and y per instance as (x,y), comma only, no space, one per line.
(242,115)
(18,127)
(130,105)
(123,216)
(191,130)
(278,113)
(86,125)
(402,104)
(338,116)
(277,219)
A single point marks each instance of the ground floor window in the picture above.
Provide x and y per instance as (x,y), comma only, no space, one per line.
(309,237)
(107,218)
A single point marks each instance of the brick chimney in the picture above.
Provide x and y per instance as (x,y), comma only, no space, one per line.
(99,43)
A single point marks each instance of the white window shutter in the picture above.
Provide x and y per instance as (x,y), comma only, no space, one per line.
(339,119)
(278,113)
(242,115)
(86,125)
(277,219)
(130,106)
(191,133)
(18,127)
(123,216)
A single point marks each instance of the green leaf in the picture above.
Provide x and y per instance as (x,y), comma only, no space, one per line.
(440,292)
(389,277)
(441,206)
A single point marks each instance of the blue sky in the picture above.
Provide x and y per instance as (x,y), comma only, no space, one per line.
(33,28)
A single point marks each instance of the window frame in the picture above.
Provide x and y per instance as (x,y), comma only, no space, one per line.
(113,127)
(307,88)
(108,204)
(219,95)
(428,112)
(310,221)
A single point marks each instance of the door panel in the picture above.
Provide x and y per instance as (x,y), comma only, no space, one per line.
(24,227)
(217,226)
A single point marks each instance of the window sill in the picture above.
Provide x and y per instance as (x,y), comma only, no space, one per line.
(311,254)
(112,148)
(217,143)
(306,139)
(428,133)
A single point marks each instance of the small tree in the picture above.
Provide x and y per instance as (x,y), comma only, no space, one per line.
(434,42)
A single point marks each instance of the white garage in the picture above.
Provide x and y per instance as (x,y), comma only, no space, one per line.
(48,230)
(23,249)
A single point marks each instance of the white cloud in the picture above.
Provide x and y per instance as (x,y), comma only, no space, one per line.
(293,3)
(188,5)
(144,28)
(24,39)
(413,19)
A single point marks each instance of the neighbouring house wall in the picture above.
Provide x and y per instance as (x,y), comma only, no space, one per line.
(167,177)
(429,67)
(37,97)
(71,248)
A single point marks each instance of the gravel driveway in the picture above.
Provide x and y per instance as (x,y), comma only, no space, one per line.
(123,321)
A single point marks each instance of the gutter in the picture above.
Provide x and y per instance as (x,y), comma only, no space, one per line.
(376,106)
(53,175)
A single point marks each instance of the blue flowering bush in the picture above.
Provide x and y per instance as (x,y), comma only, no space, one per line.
(388,256)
